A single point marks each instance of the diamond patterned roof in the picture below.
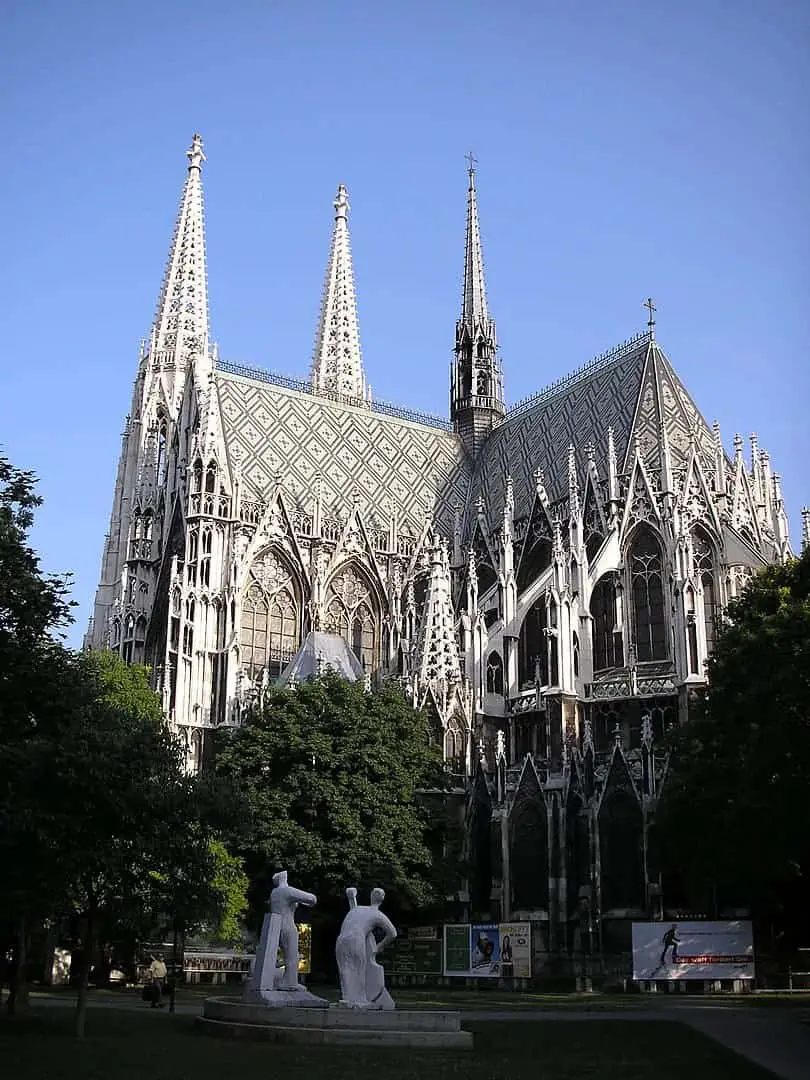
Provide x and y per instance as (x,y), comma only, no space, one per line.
(578,410)
(388,460)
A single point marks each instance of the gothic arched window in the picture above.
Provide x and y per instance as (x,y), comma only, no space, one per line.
(607,631)
(691,631)
(211,476)
(620,847)
(530,855)
(454,746)
(703,565)
(351,612)
(647,589)
(161,454)
(140,640)
(533,646)
(494,673)
(270,631)
(197,481)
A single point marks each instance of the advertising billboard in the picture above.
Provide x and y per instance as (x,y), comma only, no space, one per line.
(693,950)
(488,950)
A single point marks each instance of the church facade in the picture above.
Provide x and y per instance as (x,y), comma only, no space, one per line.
(546,580)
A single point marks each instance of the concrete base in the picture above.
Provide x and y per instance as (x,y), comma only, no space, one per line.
(230,1018)
(276,999)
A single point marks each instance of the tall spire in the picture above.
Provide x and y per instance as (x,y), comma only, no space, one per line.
(476,394)
(474,297)
(336,364)
(180,332)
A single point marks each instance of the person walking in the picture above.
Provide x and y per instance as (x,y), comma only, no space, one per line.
(157,974)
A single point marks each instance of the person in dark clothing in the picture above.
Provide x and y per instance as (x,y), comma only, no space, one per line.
(671,942)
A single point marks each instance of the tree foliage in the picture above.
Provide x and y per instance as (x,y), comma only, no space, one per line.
(733,818)
(97,816)
(331,777)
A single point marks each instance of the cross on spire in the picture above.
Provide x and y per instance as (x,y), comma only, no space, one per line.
(650,306)
(472,161)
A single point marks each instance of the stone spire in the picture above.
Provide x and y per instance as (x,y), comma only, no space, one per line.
(476,396)
(437,665)
(474,296)
(180,332)
(805,528)
(337,366)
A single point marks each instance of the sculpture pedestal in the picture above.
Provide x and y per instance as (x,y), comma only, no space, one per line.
(230,1018)
(278,999)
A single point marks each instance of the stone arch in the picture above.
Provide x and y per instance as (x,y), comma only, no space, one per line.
(704,570)
(494,673)
(621,855)
(645,567)
(353,611)
(605,608)
(529,853)
(272,615)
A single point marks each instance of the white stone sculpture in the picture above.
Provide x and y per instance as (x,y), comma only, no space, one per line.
(362,979)
(269,984)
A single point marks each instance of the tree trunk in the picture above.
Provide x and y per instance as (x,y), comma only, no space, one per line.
(84,978)
(18,984)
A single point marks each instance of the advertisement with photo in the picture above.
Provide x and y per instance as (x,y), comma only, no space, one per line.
(516,950)
(693,950)
(488,950)
(485,952)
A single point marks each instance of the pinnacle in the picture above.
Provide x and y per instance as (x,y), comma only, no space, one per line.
(180,333)
(337,365)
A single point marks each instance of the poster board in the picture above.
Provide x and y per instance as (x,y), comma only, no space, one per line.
(416,951)
(488,950)
(693,950)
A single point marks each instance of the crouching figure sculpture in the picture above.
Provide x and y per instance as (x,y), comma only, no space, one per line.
(362,979)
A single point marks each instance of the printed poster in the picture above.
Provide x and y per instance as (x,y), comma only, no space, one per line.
(488,950)
(693,950)
(516,950)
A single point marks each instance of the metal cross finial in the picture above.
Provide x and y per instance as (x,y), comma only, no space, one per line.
(650,306)
(471,163)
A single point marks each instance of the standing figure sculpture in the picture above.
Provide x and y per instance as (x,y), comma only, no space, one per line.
(267,982)
(362,979)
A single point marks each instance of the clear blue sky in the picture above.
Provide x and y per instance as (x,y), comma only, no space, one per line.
(625,149)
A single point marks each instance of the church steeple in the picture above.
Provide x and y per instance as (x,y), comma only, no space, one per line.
(336,364)
(476,394)
(179,337)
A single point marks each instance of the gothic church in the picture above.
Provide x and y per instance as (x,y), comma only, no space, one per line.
(546,580)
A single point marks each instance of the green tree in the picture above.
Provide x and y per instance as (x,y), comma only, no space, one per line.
(733,819)
(331,777)
(34,606)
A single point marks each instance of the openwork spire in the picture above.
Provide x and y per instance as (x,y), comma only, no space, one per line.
(437,664)
(474,298)
(337,366)
(476,392)
(180,332)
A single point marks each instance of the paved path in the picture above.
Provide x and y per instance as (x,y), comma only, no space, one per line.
(777,1039)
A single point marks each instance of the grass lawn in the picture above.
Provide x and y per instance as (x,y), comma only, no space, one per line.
(131,1045)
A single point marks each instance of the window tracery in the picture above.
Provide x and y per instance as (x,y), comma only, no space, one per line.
(647,590)
(533,646)
(351,612)
(703,562)
(608,651)
(494,673)
(270,630)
